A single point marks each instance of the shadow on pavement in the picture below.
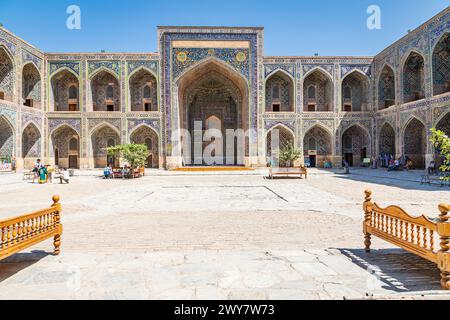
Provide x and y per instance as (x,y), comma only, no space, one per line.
(18,262)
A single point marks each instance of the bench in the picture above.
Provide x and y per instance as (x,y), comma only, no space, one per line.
(441,180)
(18,234)
(28,176)
(288,171)
(422,236)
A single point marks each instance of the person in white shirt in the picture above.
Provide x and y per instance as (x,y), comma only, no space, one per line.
(64,176)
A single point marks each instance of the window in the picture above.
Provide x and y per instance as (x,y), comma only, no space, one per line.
(276,92)
(347,93)
(311,107)
(276,107)
(312,93)
(73,144)
(73,92)
(110,92)
(147,92)
(29,103)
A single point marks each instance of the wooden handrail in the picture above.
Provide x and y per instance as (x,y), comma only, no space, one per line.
(425,237)
(19,233)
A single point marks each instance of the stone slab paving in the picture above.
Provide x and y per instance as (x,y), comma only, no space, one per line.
(215,236)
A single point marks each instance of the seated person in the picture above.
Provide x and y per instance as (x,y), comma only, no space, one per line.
(432,168)
(107,172)
(64,176)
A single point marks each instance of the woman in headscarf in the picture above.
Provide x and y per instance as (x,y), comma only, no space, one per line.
(42,175)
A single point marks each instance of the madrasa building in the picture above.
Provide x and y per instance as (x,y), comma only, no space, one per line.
(67,108)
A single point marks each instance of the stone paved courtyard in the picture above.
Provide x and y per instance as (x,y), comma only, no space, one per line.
(218,236)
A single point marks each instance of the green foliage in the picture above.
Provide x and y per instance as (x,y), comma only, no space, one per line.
(135,154)
(442,144)
(289,154)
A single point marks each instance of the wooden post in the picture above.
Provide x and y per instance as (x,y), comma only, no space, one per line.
(57,238)
(367,219)
(444,254)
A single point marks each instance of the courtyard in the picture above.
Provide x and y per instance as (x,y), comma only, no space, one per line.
(177,235)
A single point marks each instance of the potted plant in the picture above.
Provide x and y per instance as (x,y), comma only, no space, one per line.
(288,155)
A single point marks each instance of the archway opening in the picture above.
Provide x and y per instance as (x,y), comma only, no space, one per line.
(214,90)
(413,78)
(6,76)
(279,93)
(355,146)
(6,140)
(441,66)
(143,91)
(355,92)
(318,92)
(105,92)
(66,147)
(65,89)
(415,143)
(31,145)
(147,136)
(444,126)
(277,139)
(101,139)
(317,147)
(31,86)
(386,142)
(386,88)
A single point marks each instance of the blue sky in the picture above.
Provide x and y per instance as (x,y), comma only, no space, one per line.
(292,27)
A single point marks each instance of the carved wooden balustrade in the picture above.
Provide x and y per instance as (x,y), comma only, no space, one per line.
(19,233)
(427,238)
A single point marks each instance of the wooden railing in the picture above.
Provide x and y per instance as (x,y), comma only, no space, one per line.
(422,236)
(19,233)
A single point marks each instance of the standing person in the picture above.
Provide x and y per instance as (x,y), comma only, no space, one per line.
(64,176)
(36,168)
(50,171)
(42,175)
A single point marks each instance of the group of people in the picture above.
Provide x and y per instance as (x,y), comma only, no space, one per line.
(392,164)
(125,172)
(46,173)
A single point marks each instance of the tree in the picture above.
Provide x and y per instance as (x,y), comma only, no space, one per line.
(135,154)
(289,154)
(442,144)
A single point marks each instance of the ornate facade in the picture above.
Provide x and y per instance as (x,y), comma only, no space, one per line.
(67,108)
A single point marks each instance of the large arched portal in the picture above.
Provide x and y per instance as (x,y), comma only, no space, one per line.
(213,102)
(415,143)
(355,145)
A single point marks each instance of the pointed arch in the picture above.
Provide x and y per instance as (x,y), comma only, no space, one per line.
(102,136)
(31,85)
(284,100)
(441,65)
(413,75)
(139,80)
(7,72)
(105,90)
(145,134)
(31,144)
(355,143)
(63,152)
(359,85)
(7,138)
(323,83)
(386,87)
(387,140)
(61,81)
(278,137)
(318,145)
(415,141)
